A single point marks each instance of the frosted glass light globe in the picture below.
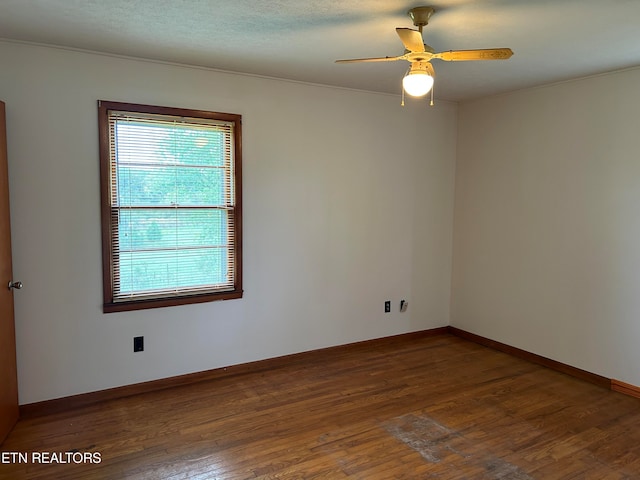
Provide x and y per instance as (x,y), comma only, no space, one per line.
(417,83)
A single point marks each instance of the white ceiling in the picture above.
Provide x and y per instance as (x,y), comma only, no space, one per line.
(552,40)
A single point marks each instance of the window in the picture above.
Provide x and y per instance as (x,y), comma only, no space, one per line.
(171,206)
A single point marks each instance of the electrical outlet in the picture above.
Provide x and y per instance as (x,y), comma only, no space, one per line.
(403,305)
(387,306)
(138,344)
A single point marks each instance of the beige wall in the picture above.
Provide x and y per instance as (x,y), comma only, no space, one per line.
(346,205)
(348,202)
(547,222)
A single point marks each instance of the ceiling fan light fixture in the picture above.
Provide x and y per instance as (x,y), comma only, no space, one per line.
(417,83)
(419,80)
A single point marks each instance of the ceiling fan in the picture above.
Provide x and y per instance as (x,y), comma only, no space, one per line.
(418,80)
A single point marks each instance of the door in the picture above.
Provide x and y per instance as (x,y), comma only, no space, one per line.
(8,373)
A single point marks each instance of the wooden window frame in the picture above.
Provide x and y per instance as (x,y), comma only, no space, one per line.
(109,304)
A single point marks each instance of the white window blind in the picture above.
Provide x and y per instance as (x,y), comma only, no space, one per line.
(172,201)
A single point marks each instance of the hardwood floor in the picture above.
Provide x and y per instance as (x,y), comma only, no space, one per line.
(426,408)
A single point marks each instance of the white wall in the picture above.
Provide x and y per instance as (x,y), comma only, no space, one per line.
(547,222)
(348,202)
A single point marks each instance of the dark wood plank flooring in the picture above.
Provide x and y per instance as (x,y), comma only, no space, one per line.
(426,408)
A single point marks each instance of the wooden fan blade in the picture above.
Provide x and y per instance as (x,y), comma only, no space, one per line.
(375,59)
(412,39)
(485,54)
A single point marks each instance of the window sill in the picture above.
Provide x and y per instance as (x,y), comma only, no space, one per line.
(169,302)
